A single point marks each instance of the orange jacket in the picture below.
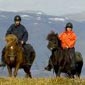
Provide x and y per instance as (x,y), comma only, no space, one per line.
(68,39)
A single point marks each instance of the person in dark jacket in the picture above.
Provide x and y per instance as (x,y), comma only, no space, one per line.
(20,31)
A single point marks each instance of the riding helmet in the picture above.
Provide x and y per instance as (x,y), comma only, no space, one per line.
(17,18)
(70,25)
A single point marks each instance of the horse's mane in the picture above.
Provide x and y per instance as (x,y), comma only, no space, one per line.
(54,36)
(11,38)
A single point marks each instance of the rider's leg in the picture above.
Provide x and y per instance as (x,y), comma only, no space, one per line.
(72,55)
(28,50)
(49,66)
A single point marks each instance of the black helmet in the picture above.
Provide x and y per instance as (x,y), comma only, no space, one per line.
(70,25)
(17,18)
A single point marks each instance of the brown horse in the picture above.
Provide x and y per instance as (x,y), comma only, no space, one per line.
(60,60)
(15,58)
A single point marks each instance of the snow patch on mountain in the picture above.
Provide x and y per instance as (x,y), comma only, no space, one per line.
(57,19)
(25,16)
(39,13)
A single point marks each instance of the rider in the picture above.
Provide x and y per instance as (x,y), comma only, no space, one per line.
(20,31)
(68,40)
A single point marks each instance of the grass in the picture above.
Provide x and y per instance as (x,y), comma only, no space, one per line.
(41,81)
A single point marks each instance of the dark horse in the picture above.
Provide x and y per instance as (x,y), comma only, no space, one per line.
(60,60)
(15,58)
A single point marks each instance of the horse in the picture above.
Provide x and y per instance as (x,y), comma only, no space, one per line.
(14,57)
(60,60)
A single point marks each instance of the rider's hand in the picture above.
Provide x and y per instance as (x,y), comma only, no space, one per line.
(67,47)
(22,42)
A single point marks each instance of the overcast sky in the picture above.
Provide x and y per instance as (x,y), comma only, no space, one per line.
(52,7)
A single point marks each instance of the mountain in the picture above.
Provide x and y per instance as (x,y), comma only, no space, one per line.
(38,24)
(77,16)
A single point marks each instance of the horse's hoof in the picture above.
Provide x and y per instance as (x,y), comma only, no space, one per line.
(47,68)
(28,76)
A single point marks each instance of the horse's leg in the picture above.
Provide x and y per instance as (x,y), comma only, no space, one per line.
(79,68)
(9,70)
(56,69)
(59,71)
(27,70)
(16,70)
(70,73)
(28,67)
(28,75)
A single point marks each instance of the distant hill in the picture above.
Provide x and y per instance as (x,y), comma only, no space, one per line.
(77,16)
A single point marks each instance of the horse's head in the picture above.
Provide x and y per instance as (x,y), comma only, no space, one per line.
(11,39)
(12,42)
(53,41)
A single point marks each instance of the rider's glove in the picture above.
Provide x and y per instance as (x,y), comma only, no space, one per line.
(22,42)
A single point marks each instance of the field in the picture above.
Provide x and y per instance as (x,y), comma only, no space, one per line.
(41,81)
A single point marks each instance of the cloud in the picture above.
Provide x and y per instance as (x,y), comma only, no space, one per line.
(54,7)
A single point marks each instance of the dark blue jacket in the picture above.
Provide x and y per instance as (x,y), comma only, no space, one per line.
(20,31)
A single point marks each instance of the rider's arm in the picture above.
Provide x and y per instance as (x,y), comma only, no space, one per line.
(69,42)
(25,36)
(72,40)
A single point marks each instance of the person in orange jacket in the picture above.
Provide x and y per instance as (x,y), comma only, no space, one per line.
(68,39)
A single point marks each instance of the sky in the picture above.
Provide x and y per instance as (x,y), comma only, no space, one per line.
(51,7)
